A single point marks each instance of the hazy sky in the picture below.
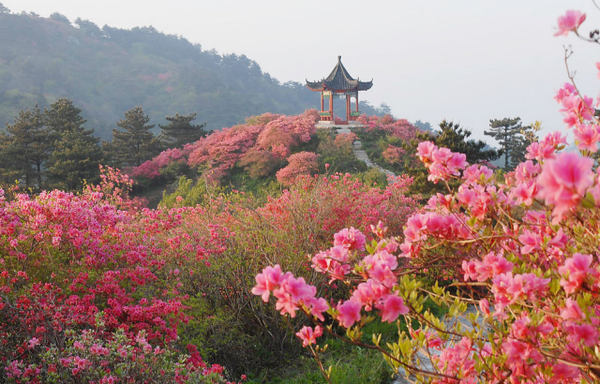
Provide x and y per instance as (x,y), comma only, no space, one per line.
(467,61)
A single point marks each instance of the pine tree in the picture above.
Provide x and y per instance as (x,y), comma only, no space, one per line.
(24,147)
(507,133)
(181,131)
(453,137)
(76,153)
(134,143)
(457,139)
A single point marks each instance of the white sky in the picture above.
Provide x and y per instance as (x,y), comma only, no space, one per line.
(467,61)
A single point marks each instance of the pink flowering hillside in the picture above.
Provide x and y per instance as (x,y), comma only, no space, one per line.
(98,286)
(93,285)
(284,230)
(399,128)
(521,254)
(260,146)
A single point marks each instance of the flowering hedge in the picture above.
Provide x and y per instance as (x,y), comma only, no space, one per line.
(70,262)
(522,253)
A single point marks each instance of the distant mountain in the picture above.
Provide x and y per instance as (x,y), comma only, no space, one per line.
(107,71)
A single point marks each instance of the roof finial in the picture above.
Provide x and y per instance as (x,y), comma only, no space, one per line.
(340,59)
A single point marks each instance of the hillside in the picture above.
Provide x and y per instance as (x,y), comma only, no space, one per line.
(106,71)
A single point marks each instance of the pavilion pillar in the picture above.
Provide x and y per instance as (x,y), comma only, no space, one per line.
(348,107)
(356,101)
(322,103)
(331,105)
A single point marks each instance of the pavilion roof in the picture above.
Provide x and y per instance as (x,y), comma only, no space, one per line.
(339,80)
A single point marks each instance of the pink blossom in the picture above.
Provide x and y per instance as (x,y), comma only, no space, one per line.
(570,21)
(457,359)
(520,328)
(33,342)
(297,288)
(369,292)
(317,306)
(576,109)
(531,241)
(391,308)
(425,151)
(301,163)
(564,373)
(491,265)
(564,180)
(585,333)
(586,137)
(78,345)
(350,238)
(552,142)
(308,336)
(574,272)
(518,354)
(572,311)
(484,306)
(524,192)
(349,313)
(477,173)
(269,279)
(567,90)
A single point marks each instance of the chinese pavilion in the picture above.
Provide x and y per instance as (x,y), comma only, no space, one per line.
(339,83)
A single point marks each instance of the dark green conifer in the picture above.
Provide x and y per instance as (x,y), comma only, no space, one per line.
(507,133)
(76,153)
(24,147)
(134,142)
(181,131)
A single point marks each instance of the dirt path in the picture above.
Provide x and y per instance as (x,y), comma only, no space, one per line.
(361,154)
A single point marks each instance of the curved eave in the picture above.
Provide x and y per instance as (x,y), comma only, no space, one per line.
(315,85)
(365,85)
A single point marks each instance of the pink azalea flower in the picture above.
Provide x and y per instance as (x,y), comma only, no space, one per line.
(284,303)
(308,336)
(350,239)
(484,306)
(518,354)
(574,272)
(298,289)
(269,279)
(564,180)
(392,307)
(586,137)
(569,22)
(33,342)
(473,173)
(585,333)
(349,313)
(565,91)
(563,373)
(425,151)
(317,307)
(520,328)
(572,311)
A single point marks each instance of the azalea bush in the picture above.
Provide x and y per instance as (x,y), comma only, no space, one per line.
(521,254)
(68,262)
(384,138)
(228,323)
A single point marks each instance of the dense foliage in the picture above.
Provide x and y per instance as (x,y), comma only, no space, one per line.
(112,289)
(50,149)
(266,148)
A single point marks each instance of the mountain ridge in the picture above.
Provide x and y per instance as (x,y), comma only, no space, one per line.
(107,71)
